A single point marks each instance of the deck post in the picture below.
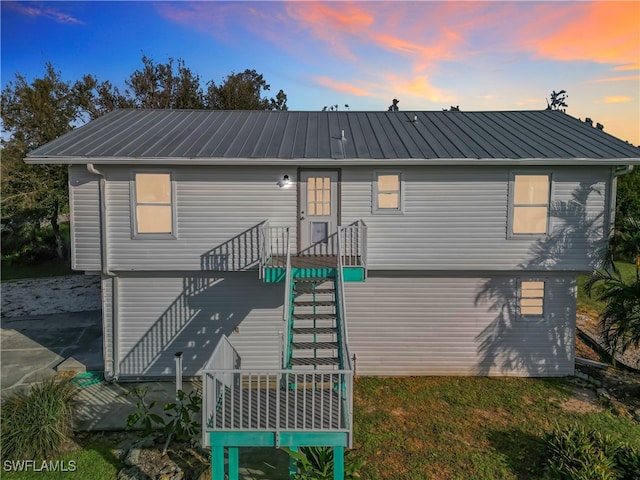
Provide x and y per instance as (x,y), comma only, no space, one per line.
(292,463)
(232,453)
(338,463)
(217,462)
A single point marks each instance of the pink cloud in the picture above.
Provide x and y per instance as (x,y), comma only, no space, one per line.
(626,78)
(622,68)
(602,32)
(617,99)
(413,90)
(35,10)
(343,87)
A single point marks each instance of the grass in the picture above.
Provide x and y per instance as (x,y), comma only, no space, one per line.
(37,423)
(13,268)
(95,461)
(49,268)
(422,428)
(460,428)
(591,305)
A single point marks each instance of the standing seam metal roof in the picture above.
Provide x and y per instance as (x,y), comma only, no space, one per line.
(211,134)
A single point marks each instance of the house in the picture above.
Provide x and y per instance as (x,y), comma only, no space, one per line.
(271,248)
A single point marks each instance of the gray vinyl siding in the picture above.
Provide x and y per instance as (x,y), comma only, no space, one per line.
(161,314)
(218,211)
(423,325)
(84,199)
(453,219)
(456,219)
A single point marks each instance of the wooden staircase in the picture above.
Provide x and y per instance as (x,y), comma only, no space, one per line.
(314,330)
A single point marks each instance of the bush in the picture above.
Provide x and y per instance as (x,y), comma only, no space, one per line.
(36,424)
(316,463)
(575,453)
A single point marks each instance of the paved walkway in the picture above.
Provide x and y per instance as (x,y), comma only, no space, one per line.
(52,326)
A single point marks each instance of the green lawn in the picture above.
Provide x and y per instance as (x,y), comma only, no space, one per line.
(95,461)
(591,305)
(14,268)
(463,428)
(424,428)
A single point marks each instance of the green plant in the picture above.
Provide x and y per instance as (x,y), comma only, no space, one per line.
(36,424)
(144,416)
(182,426)
(316,463)
(628,460)
(575,453)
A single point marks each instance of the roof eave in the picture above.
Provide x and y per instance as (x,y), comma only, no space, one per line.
(55,160)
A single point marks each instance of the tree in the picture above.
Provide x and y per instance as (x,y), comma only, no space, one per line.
(620,318)
(558,101)
(628,196)
(33,114)
(243,91)
(97,98)
(165,85)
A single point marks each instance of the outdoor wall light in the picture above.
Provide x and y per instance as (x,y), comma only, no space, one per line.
(284,182)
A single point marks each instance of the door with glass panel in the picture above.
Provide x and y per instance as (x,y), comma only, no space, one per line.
(318,212)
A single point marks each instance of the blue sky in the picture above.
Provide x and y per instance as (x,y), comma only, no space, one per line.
(430,55)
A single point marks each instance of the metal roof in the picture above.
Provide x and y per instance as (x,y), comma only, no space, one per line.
(231,137)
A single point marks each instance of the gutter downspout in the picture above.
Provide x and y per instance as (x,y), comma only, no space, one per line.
(615,173)
(110,373)
(622,170)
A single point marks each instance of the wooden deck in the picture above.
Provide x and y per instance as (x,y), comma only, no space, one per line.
(263,409)
(314,261)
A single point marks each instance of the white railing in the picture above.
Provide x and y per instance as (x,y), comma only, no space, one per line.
(353,247)
(265,247)
(280,400)
(223,361)
(287,307)
(274,244)
(343,333)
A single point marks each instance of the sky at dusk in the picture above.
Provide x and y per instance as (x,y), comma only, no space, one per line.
(430,55)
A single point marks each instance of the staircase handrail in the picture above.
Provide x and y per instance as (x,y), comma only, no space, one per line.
(264,253)
(345,358)
(363,247)
(286,309)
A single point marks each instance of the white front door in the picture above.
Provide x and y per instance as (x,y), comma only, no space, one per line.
(318,212)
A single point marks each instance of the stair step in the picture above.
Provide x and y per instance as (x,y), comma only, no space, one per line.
(313,330)
(306,289)
(315,361)
(314,316)
(312,279)
(312,303)
(314,345)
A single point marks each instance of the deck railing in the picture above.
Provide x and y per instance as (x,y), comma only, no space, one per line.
(279,400)
(353,245)
(274,242)
(223,361)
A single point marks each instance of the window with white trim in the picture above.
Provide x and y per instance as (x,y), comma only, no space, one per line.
(387,192)
(153,204)
(529,207)
(531,299)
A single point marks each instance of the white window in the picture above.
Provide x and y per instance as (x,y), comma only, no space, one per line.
(529,210)
(387,192)
(531,301)
(153,199)
(319,196)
